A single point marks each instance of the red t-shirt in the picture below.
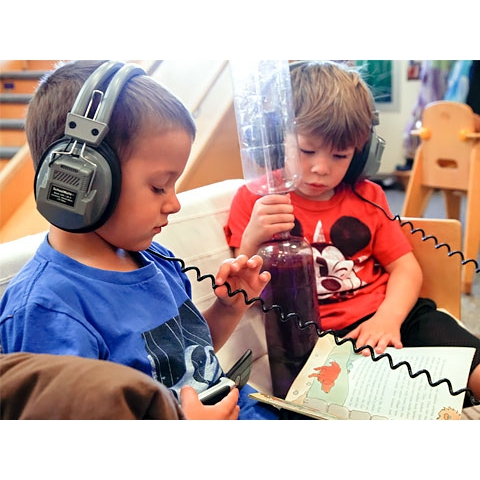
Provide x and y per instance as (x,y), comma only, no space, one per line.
(351,239)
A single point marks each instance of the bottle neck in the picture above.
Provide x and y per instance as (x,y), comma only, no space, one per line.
(281,236)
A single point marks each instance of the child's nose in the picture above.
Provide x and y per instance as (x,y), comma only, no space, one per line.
(320,165)
(172,205)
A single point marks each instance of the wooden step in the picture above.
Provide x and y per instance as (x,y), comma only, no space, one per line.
(19,75)
(12,138)
(12,65)
(15,98)
(13,110)
(18,86)
(27,64)
(13,106)
(16,182)
(6,153)
(20,81)
(22,74)
(12,124)
(45,65)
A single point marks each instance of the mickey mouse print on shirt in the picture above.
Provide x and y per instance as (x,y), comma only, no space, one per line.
(336,271)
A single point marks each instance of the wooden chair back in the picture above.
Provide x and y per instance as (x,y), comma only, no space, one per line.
(441,271)
(448,159)
(446,152)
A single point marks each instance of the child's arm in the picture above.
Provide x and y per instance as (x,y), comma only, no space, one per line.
(271,214)
(225,313)
(403,288)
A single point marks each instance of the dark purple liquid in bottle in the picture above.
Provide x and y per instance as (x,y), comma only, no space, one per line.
(293,287)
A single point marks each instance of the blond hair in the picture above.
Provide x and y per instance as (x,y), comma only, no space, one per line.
(332,101)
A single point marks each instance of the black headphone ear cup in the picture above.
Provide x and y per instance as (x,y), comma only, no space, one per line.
(105,153)
(74,194)
(358,163)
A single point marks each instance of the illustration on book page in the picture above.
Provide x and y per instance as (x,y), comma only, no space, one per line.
(337,381)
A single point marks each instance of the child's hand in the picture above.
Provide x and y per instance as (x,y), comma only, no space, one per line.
(241,273)
(377,332)
(271,214)
(194,409)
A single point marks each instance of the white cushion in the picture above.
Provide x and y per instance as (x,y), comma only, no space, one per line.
(196,233)
(14,255)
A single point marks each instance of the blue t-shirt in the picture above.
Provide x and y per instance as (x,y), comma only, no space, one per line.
(144,319)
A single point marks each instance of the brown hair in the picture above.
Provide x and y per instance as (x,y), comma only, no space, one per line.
(333,102)
(143,103)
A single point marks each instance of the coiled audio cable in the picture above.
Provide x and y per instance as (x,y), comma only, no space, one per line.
(321,333)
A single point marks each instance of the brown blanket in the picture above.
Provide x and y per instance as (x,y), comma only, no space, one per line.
(41,386)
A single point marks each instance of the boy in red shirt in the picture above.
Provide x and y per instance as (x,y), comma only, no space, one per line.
(368,279)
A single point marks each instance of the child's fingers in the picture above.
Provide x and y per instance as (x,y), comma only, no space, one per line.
(227,407)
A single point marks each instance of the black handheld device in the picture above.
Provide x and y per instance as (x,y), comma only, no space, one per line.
(237,376)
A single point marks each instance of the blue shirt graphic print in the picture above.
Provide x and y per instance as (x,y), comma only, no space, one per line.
(183,336)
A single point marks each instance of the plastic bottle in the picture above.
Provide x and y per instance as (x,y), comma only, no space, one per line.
(293,287)
(267,135)
(271,165)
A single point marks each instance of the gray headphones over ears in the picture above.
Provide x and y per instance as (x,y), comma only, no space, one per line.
(367,161)
(78,179)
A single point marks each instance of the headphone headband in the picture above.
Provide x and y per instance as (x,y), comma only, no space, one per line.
(92,131)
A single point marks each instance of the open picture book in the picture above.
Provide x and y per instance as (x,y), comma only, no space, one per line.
(338,384)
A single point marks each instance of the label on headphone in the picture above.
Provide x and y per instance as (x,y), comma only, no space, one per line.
(61,195)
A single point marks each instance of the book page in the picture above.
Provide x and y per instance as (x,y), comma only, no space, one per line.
(339,382)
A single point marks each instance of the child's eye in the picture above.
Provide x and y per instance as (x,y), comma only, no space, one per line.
(307,152)
(340,155)
(157,190)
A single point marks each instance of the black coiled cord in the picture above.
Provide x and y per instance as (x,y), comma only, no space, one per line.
(425,237)
(321,333)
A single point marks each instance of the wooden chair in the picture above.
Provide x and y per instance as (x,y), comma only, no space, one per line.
(448,159)
(432,239)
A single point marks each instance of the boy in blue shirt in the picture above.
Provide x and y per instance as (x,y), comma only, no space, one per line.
(97,286)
